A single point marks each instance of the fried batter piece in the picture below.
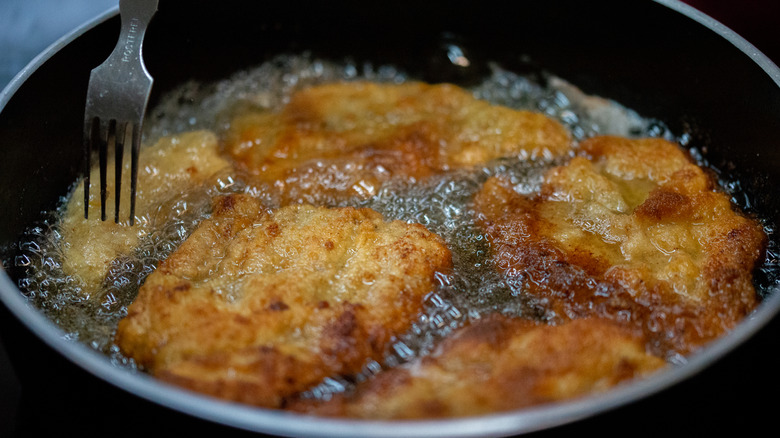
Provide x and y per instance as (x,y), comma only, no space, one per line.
(174,165)
(631,230)
(498,364)
(346,139)
(257,305)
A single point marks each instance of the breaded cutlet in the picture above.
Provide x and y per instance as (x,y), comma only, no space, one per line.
(497,364)
(631,230)
(171,167)
(346,139)
(257,305)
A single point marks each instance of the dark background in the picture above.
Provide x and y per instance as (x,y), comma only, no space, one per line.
(758,21)
(29,26)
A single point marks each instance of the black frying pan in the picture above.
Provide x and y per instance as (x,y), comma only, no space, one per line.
(661,59)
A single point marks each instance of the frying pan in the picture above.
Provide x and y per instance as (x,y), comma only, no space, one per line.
(663,59)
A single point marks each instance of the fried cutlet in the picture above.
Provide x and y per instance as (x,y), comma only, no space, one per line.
(346,139)
(631,230)
(257,304)
(174,165)
(498,364)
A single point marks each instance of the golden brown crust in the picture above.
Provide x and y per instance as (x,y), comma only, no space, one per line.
(499,364)
(346,139)
(632,230)
(257,305)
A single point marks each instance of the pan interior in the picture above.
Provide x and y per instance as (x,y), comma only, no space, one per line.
(643,73)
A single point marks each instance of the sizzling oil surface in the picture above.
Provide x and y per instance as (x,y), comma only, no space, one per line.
(440,203)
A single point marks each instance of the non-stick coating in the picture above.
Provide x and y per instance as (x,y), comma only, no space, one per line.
(645,55)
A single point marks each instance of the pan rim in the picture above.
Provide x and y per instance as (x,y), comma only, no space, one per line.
(278,422)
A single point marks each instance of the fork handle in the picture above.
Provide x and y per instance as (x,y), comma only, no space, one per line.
(142,9)
(135,15)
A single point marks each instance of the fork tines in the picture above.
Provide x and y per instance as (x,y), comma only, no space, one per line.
(99,137)
(116,103)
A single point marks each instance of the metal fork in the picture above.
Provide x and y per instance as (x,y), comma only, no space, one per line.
(116,103)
